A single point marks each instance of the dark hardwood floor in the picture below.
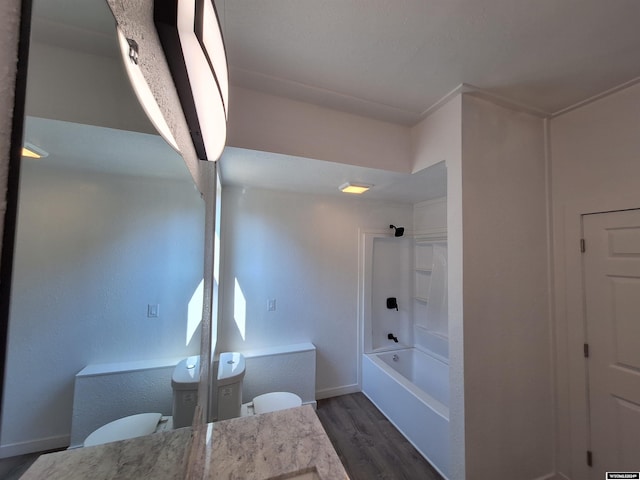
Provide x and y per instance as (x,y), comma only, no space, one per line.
(369,446)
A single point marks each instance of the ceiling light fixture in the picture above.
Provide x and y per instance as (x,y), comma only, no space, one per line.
(192,41)
(29,150)
(356,188)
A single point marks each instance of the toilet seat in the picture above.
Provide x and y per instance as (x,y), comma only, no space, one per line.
(124,428)
(274,401)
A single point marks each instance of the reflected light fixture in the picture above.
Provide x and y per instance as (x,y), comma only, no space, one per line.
(356,188)
(130,55)
(192,41)
(31,151)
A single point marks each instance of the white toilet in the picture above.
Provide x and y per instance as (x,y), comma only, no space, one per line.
(231,369)
(184,381)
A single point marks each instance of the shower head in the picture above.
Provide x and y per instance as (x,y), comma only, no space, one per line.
(399,230)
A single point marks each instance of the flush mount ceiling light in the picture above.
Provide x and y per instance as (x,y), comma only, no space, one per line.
(356,188)
(191,38)
(31,151)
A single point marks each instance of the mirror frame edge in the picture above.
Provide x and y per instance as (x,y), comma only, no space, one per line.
(13,179)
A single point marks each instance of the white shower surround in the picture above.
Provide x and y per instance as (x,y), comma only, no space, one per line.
(413,390)
(413,393)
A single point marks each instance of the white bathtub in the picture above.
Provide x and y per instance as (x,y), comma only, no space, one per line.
(413,393)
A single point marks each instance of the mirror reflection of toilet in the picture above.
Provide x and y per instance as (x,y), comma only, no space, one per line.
(184,381)
(231,370)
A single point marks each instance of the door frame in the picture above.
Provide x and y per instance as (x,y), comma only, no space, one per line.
(573,439)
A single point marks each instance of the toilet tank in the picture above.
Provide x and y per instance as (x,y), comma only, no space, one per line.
(231,370)
(185,381)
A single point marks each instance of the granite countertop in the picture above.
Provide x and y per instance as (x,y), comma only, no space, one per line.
(278,445)
(288,444)
(158,456)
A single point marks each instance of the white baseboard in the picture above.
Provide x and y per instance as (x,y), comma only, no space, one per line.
(33,446)
(337,391)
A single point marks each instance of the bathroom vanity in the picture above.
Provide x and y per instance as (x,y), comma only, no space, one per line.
(287,444)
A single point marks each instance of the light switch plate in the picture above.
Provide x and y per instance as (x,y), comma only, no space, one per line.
(153,310)
(271,305)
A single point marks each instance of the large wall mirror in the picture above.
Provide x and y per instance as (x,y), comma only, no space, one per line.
(108,261)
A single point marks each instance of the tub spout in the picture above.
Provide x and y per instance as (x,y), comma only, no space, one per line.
(391,336)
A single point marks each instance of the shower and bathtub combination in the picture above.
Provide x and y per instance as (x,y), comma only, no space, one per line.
(405,367)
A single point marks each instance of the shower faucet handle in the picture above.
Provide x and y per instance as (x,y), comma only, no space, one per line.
(391,336)
(392,302)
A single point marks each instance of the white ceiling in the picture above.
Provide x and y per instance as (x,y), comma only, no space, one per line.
(242,167)
(393,60)
(104,150)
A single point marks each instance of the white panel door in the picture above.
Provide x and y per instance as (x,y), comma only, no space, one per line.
(612,300)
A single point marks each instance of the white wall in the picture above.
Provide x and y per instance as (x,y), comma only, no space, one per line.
(439,137)
(507,329)
(82,88)
(258,121)
(391,269)
(430,215)
(302,251)
(92,251)
(264,369)
(595,153)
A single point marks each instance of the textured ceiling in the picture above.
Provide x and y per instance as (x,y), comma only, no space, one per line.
(393,60)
